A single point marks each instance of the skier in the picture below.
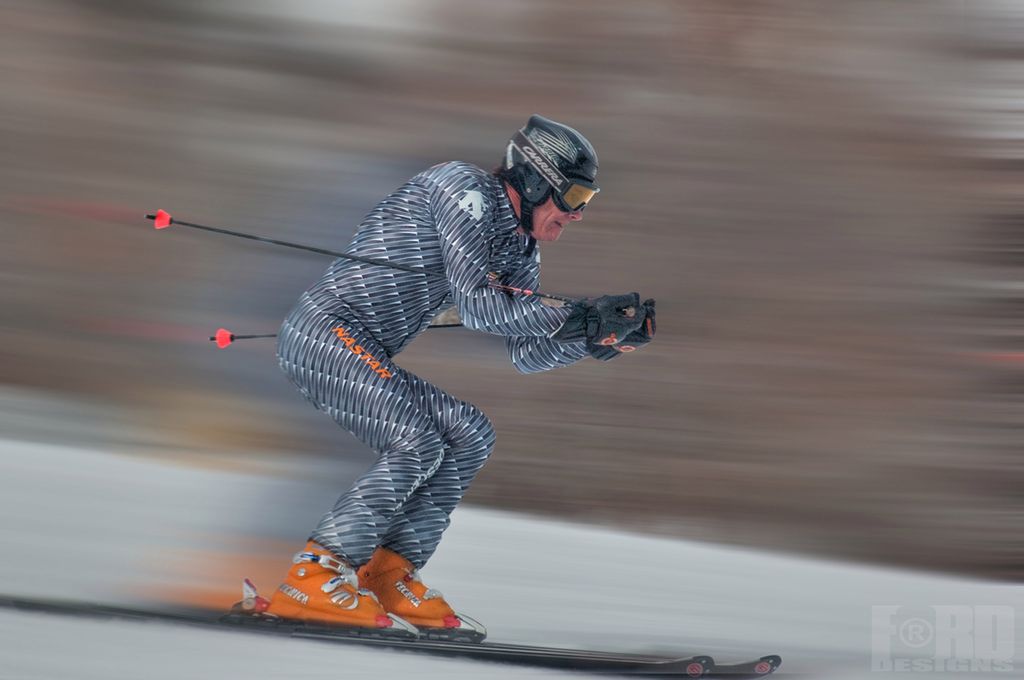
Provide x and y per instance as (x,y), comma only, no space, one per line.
(337,345)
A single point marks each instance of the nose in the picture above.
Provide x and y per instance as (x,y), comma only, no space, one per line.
(576,215)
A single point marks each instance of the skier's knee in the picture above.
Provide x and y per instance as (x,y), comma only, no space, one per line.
(419,455)
(474,434)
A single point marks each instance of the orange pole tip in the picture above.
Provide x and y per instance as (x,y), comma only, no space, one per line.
(224,337)
(162,219)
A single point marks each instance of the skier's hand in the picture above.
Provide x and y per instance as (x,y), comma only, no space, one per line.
(642,335)
(634,341)
(604,321)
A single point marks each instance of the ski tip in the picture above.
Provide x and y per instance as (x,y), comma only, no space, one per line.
(699,666)
(696,669)
(223,337)
(161,220)
(759,668)
(768,664)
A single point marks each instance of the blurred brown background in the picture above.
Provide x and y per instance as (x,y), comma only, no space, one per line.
(823,197)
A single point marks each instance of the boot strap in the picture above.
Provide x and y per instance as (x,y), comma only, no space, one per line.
(326,561)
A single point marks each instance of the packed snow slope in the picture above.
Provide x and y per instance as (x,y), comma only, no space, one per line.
(87,525)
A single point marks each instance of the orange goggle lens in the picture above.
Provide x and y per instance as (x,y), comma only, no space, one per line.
(577,196)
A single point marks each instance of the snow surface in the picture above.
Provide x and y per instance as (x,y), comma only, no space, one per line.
(85,525)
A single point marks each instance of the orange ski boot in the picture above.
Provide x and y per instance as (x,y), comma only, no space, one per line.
(398,587)
(322,589)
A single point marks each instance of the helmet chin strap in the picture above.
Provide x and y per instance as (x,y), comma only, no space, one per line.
(525,216)
(529,247)
(526,222)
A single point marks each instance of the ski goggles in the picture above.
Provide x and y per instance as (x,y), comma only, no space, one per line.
(576,197)
(570,194)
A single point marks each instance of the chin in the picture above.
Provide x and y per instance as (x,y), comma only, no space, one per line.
(551,234)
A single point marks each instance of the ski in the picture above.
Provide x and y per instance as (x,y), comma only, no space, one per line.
(608,663)
(759,668)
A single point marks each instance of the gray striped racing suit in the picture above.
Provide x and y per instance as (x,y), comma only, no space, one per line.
(338,343)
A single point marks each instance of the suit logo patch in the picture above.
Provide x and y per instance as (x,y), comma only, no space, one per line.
(473,203)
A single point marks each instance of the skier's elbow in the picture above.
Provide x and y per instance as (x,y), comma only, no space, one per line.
(523,365)
(527,370)
(474,320)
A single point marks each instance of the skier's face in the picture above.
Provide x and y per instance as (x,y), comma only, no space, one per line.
(549,220)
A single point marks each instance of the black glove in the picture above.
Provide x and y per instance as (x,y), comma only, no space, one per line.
(635,340)
(643,335)
(604,321)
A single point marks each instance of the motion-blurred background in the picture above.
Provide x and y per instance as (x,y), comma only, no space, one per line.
(823,196)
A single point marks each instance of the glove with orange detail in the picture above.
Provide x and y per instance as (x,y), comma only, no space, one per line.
(632,342)
(602,322)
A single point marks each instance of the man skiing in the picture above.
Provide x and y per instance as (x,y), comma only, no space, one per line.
(474,229)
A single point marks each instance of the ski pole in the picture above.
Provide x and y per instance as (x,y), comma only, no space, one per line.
(162,220)
(492,282)
(223,337)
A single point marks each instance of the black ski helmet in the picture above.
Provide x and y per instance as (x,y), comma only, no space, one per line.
(546,158)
